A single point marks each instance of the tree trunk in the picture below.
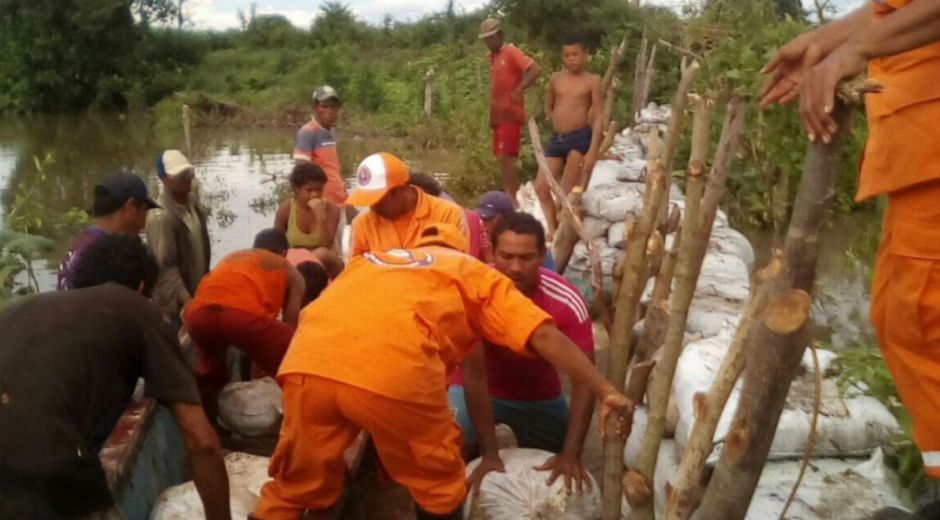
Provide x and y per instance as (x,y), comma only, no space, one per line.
(779,347)
(696,231)
(566,237)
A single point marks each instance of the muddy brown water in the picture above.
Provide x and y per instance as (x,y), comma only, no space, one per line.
(239,171)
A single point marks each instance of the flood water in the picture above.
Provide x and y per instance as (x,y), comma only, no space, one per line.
(241,174)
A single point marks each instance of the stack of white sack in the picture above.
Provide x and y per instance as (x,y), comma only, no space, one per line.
(246,474)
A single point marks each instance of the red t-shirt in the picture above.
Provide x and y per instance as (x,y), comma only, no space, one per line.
(479,240)
(506,68)
(520,377)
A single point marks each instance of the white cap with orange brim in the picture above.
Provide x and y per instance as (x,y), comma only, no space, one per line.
(376,176)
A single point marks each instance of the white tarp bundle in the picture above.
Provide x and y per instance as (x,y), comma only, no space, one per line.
(522,494)
(251,408)
(246,474)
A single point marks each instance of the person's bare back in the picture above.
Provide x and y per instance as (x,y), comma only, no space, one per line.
(573,100)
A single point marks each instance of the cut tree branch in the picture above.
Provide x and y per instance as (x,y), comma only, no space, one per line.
(696,231)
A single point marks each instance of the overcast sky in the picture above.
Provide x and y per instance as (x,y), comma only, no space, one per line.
(223,14)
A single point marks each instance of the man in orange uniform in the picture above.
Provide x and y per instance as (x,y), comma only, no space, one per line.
(375,356)
(238,304)
(397,211)
(900,42)
(511,72)
(316,142)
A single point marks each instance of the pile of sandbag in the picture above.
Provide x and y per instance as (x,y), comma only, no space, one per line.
(246,474)
(520,493)
(251,408)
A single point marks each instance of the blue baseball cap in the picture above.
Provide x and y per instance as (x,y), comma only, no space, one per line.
(494,203)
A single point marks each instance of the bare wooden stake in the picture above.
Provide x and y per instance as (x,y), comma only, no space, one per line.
(187,131)
(627,303)
(696,231)
(690,69)
(616,58)
(428,91)
(566,237)
(609,134)
(609,96)
(639,70)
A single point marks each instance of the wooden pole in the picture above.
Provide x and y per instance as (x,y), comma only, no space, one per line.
(428,92)
(187,132)
(696,231)
(566,236)
(625,316)
(689,481)
(613,128)
(616,58)
(639,69)
(780,339)
(690,69)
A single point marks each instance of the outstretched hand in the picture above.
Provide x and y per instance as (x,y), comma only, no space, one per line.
(623,408)
(570,466)
(787,68)
(818,91)
(487,464)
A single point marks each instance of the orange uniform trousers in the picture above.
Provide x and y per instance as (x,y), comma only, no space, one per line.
(905,309)
(418,444)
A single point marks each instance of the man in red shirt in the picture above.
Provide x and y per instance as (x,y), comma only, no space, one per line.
(523,391)
(511,72)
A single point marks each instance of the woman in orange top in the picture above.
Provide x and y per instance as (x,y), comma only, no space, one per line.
(899,40)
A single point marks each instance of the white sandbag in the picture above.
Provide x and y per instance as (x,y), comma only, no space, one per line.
(613,202)
(529,202)
(246,474)
(850,427)
(632,170)
(728,240)
(627,146)
(654,113)
(580,261)
(616,235)
(831,488)
(709,315)
(595,227)
(522,494)
(724,276)
(605,172)
(251,408)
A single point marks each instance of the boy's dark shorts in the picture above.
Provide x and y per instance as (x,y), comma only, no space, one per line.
(560,144)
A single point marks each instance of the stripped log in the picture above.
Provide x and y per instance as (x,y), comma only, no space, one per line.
(616,59)
(428,92)
(609,134)
(609,96)
(627,304)
(187,131)
(640,94)
(690,479)
(566,237)
(696,231)
(778,347)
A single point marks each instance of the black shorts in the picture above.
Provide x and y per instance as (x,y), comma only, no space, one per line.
(560,144)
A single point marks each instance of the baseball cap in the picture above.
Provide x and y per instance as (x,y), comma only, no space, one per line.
(172,163)
(377,174)
(440,234)
(325,92)
(494,203)
(489,27)
(115,188)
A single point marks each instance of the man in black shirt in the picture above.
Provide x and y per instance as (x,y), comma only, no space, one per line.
(69,362)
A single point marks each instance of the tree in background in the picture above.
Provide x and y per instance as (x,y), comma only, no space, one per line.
(60,55)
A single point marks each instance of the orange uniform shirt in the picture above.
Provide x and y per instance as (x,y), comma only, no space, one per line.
(318,145)
(506,68)
(371,232)
(396,322)
(252,280)
(903,147)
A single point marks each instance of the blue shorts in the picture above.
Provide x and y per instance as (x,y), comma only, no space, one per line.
(561,144)
(537,424)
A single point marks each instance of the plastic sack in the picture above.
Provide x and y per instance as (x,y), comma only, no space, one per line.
(252,408)
(246,474)
(521,493)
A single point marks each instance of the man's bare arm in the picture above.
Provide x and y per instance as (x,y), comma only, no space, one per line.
(205,459)
(293,300)
(596,116)
(480,409)
(550,98)
(528,77)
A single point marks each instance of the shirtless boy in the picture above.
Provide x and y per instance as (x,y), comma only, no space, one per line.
(574,105)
